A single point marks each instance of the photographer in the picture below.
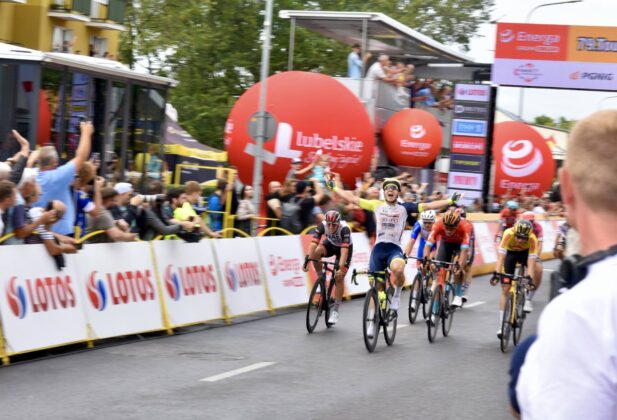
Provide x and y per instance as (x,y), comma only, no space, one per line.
(181,210)
(150,221)
(114,230)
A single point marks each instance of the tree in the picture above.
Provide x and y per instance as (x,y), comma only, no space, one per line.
(212,47)
(562,122)
(544,120)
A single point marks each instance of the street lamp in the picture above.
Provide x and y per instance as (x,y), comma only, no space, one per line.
(527,19)
(604,99)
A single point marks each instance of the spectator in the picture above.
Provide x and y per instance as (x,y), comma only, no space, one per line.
(246,210)
(56,181)
(273,201)
(296,173)
(476,206)
(216,204)
(19,221)
(183,211)
(125,211)
(55,245)
(151,220)
(307,202)
(192,189)
(426,91)
(83,204)
(154,167)
(379,71)
(13,168)
(321,167)
(7,199)
(354,63)
(115,230)
(571,371)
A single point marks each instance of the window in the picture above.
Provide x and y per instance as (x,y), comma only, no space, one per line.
(98,12)
(98,47)
(62,40)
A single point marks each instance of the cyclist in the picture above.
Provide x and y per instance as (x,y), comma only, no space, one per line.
(470,256)
(518,245)
(537,274)
(560,240)
(507,216)
(455,234)
(337,243)
(421,228)
(390,220)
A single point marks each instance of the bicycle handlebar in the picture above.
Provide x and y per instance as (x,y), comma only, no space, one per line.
(324,262)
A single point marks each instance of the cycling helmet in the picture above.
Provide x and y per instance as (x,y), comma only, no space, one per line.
(512,205)
(452,218)
(529,215)
(462,212)
(333,217)
(522,228)
(391,181)
(428,216)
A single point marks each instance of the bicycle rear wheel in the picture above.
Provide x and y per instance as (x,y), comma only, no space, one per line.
(315,305)
(329,303)
(389,319)
(434,310)
(517,328)
(415,301)
(506,326)
(447,310)
(370,320)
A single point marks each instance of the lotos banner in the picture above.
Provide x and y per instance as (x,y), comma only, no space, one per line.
(311,112)
(242,276)
(523,159)
(119,289)
(189,280)
(282,258)
(39,306)
(412,137)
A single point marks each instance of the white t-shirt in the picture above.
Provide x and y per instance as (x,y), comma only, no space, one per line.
(570,372)
(1,222)
(376,71)
(539,210)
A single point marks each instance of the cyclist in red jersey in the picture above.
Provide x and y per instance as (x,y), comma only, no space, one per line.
(507,216)
(537,272)
(455,234)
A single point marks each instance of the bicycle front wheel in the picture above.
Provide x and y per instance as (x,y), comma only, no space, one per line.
(414,302)
(506,326)
(329,302)
(389,319)
(434,309)
(447,311)
(427,283)
(517,328)
(315,305)
(370,320)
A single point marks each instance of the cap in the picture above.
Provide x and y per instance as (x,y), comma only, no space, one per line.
(301,186)
(296,160)
(123,187)
(356,45)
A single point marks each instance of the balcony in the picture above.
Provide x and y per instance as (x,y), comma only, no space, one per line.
(109,17)
(13,1)
(76,10)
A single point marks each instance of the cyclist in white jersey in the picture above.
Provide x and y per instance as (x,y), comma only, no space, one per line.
(391,218)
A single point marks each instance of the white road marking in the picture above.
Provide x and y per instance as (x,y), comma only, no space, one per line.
(235,372)
(471,305)
(399,326)
(549,270)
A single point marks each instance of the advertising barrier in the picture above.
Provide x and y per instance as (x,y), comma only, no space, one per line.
(190,281)
(242,277)
(282,258)
(40,306)
(360,261)
(119,288)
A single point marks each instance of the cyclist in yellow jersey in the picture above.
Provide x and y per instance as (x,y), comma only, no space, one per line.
(518,245)
(390,217)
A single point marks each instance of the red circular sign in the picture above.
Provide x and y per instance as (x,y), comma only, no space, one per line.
(523,160)
(313,112)
(412,137)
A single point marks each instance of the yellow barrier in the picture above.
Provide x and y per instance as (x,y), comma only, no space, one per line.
(274,229)
(241,232)
(5,237)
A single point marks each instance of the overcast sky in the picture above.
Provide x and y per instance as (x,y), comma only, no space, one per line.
(555,103)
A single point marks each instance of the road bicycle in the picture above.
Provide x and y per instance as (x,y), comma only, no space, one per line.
(422,281)
(377,312)
(321,298)
(439,306)
(513,313)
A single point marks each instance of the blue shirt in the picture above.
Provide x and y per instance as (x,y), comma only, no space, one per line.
(56,185)
(430,100)
(84,205)
(216,219)
(354,66)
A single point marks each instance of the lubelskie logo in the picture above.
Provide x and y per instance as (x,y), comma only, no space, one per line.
(43,294)
(119,288)
(241,275)
(189,280)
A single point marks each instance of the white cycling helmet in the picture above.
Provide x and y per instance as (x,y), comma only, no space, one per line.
(428,216)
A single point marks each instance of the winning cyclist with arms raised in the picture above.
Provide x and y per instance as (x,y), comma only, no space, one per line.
(390,219)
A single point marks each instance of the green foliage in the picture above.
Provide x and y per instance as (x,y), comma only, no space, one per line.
(544,120)
(212,47)
(561,123)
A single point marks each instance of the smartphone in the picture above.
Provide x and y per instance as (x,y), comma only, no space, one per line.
(96,156)
(50,206)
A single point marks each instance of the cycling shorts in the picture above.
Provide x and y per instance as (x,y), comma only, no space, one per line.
(382,255)
(447,250)
(331,250)
(512,258)
(421,248)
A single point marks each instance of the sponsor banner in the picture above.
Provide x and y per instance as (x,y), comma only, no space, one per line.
(360,261)
(189,281)
(472,110)
(468,145)
(118,285)
(595,44)
(39,305)
(485,241)
(242,276)
(531,41)
(474,128)
(472,92)
(465,180)
(567,74)
(282,258)
(466,163)
(549,231)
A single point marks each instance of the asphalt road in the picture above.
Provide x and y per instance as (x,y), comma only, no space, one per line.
(284,373)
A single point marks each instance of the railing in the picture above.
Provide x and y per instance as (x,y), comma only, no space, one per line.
(79,6)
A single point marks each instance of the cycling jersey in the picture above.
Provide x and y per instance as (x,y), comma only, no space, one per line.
(538,231)
(461,235)
(420,230)
(508,218)
(390,218)
(340,238)
(509,243)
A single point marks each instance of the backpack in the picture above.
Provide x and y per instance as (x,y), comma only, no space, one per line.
(290,216)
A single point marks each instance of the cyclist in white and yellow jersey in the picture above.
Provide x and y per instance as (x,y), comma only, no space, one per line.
(390,217)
